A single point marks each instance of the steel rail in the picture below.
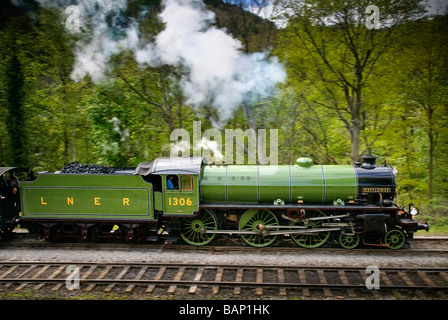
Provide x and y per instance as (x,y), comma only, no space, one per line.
(225,283)
(428,275)
(218,265)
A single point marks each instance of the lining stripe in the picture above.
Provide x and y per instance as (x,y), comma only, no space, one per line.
(357,183)
(323,183)
(258,184)
(226,185)
(290,184)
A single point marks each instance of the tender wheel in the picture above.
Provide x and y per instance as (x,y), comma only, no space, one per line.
(349,241)
(315,239)
(193,229)
(262,222)
(395,239)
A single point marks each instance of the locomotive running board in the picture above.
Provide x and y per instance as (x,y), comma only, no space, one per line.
(352,207)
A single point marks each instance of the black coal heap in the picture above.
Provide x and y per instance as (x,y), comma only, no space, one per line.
(76,167)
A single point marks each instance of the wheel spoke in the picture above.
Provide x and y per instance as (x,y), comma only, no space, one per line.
(192,228)
(395,239)
(311,240)
(253,220)
(349,241)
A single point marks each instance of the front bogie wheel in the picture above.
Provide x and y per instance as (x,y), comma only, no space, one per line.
(395,238)
(349,241)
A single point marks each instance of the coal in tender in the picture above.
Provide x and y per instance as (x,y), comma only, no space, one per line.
(80,168)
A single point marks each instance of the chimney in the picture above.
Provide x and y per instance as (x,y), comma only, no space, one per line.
(368,162)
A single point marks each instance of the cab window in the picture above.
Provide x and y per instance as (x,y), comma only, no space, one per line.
(187,182)
(172,182)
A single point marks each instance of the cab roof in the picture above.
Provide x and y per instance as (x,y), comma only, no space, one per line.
(4,170)
(173,165)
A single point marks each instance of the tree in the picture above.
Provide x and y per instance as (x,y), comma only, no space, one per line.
(15,97)
(343,52)
(426,82)
(14,30)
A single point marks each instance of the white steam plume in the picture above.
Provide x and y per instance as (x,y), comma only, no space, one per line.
(217,71)
(108,33)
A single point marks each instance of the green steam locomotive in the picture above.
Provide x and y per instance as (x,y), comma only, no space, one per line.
(184,198)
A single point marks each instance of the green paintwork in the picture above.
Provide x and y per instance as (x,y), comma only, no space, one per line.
(273,184)
(304,162)
(56,196)
(213,183)
(266,184)
(242,184)
(307,184)
(340,183)
(192,228)
(251,220)
(181,202)
(158,201)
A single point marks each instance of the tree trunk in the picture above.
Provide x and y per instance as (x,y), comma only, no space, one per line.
(431,160)
(356,122)
(354,140)
(15,97)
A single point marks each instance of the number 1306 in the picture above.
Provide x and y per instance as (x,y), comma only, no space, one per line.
(179,201)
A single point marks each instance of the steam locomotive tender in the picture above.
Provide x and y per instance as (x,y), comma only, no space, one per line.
(172,198)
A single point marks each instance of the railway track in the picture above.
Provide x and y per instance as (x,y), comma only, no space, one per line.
(246,281)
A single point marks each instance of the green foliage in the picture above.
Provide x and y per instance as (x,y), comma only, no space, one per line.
(435,212)
(15,109)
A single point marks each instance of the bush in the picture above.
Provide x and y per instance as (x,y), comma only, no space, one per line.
(435,212)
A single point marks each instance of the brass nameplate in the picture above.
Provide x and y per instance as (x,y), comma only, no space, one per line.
(376,190)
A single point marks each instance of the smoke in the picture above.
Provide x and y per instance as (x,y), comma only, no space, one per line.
(211,150)
(105,32)
(217,72)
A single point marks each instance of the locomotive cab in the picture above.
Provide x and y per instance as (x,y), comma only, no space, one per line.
(10,196)
(178,184)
